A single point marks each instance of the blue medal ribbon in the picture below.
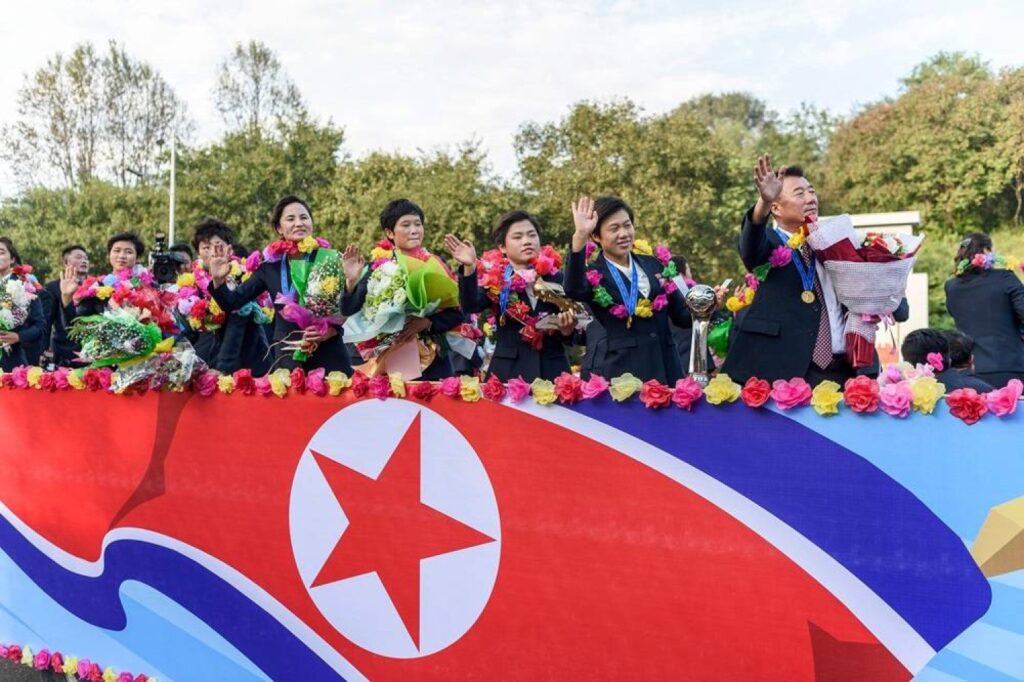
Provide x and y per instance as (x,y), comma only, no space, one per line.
(506,289)
(629,298)
(807,272)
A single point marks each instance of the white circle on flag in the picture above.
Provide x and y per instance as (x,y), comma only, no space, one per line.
(454,587)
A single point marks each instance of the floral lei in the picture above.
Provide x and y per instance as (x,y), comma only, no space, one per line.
(116,286)
(986,261)
(284,248)
(491,276)
(781,256)
(201,311)
(644,306)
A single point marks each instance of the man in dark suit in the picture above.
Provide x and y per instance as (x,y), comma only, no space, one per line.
(794,328)
(76,266)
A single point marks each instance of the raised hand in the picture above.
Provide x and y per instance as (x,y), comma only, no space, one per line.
(352,263)
(463,252)
(584,217)
(68,284)
(220,268)
(768,180)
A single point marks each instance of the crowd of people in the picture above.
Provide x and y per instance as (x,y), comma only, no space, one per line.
(617,306)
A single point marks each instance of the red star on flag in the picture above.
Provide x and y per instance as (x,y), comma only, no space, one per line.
(390,529)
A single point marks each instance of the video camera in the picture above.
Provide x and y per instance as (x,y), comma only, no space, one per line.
(165,265)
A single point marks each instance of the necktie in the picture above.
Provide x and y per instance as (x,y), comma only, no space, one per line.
(822,354)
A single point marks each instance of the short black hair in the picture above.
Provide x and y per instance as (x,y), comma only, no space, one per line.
(395,210)
(961,348)
(971,246)
(210,227)
(681,263)
(15,256)
(66,251)
(127,237)
(283,203)
(505,223)
(607,206)
(793,172)
(920,342)
(182,247)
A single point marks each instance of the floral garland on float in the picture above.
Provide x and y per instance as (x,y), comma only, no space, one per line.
(313,299)
(199,309)
(70,666)
(901,390)
(403,286)
(16,296)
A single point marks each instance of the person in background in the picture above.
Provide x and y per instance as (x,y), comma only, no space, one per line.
(987,304)
(184,255)
(32,327)
(61,350)
(961,351)
(921,343)
(124,251)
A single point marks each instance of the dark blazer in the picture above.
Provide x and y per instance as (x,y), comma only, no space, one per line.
(988,306)
(240,343)
(56,326)
(440,322)
(953,379)
(330,355)
(645,350)
(513,357)
(31,331)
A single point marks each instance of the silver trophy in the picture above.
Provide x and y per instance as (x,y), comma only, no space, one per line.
(701,301)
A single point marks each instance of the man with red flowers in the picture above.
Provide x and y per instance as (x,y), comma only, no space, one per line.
(795,326)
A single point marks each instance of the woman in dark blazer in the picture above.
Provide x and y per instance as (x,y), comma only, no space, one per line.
(987,304)
(640,344)
(292,220)
(29,331)
(521,350)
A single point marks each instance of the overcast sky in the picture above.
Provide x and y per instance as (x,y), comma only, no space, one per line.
(421,74)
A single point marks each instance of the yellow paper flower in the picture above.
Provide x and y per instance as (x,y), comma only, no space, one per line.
(398,384)
(642,247)
(26,656)
(733,305)
(337,382)
(214,308)
(194,323)
(796,240)
(33,376)
(186,279)
(308,245)
(722,389)
(379,253)
(269,312)
(75,379)
(280,380)
(71,665)
(624,386)
(246,276)
(926,392)
(470,390)
(104,293)
(643,308)
(109,676)
(236,269)
(488,329)
(543,391)
(226,384)
(825,398)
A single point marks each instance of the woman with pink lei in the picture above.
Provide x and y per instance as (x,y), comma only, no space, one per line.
(21,315)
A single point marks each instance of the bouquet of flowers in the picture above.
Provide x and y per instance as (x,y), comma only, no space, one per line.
(116,336)
(200,310)
(869,277)
(15,298)
(316,302)
(401,287)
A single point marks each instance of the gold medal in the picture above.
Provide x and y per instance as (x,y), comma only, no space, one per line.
(807,297)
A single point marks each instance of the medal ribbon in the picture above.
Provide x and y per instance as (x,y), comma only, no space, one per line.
(807,271)
(628,298)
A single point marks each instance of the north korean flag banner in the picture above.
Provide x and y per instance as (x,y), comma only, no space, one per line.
(244,537)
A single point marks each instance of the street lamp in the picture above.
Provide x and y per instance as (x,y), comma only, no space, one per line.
(174,159)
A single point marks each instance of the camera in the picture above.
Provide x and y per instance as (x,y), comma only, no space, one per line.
(165,265)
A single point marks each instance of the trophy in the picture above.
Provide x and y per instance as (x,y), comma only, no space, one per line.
(701,301)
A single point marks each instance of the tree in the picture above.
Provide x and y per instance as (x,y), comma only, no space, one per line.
(253,91)
(91,117)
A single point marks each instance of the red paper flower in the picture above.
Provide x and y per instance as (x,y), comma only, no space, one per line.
(299,380)
(568,388)
(244,381)
(756,392)
(493,389)
(967,404)
(360,384)
(861,394)
(380,386)
(655,394)
(423,390)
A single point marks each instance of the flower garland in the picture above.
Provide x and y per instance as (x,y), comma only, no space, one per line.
(286,248)
(490,269)
(780,257)
(644,306)
(133,290)
(916,390)
(987,261)
(116,285)
(197,305)
(71,666)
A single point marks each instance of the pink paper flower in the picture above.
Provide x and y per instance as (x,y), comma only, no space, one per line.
(380,386)
(619,311)
(205,384)
(451,387)
(896,399)
(568,388)
(594,277)
(781,256)
(316,382)
(686,393)
(84,666)
(1003,401)
(19,376)
(659,302)
(935,360)
(41,661)
(662,253)
(792,393)
(125,677)
(517,389)
(669,286)
(594,386)
(262,385)
(589,250)
(60,378)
